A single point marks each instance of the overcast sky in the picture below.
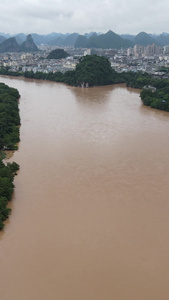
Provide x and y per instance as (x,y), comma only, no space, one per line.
(121,16)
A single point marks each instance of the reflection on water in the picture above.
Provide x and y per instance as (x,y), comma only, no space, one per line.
(90,210)
(85,95)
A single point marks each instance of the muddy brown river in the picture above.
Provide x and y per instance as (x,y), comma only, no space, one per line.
(90,212)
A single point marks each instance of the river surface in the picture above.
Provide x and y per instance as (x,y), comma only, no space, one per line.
(90,212)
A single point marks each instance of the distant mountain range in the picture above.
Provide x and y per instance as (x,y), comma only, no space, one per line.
(11,45)
(21,42)
(104,41)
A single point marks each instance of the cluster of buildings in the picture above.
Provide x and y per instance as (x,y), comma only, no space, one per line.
(147,51)
(150,59)
(139,58)
(36,62)
(144,51)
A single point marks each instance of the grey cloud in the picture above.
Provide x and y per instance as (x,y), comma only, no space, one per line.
(84,15)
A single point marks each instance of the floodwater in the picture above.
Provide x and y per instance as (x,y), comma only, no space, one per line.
(90,212)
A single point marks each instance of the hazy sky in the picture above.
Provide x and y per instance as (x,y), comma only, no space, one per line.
(121,16)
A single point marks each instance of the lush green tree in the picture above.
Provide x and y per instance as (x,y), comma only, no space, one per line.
(9,136)
(57,54)
(147,101)
(7,173)
(94,70)
(9,117)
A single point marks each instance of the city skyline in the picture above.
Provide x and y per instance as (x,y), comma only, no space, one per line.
(84,16)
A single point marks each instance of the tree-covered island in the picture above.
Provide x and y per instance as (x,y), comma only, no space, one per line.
(9,136)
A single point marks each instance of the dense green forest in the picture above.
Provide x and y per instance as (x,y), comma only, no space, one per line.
(9,136)
(155,92)
(93,70)
(7,173)
(9,118)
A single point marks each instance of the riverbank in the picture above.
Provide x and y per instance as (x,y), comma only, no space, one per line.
(155,91)
(9,137)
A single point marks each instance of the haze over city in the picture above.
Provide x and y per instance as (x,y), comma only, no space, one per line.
(83,16)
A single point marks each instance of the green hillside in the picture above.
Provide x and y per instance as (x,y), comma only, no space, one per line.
(57,54)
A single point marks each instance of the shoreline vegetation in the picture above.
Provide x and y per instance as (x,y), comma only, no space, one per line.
(9,137)
(93,70)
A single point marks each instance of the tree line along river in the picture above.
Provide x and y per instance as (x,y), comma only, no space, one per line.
(90,209)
